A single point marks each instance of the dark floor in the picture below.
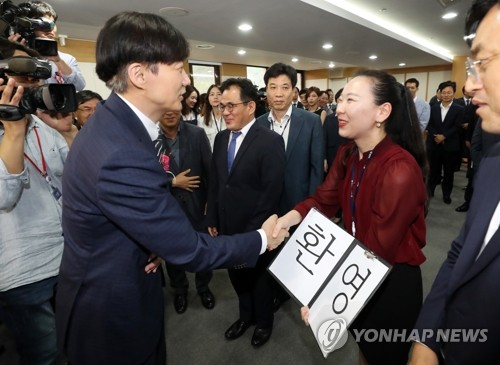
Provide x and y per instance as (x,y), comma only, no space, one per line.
(197,336)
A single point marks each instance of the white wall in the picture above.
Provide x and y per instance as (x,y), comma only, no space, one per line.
(429,81)
(336,84)
(435,78)
(322,84)
(92,81)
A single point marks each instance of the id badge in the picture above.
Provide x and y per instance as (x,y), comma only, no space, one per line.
(56,193)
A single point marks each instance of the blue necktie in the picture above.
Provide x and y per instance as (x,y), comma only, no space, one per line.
(231,150)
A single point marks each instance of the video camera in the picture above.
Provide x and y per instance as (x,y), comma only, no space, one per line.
(15,19)
(59,98)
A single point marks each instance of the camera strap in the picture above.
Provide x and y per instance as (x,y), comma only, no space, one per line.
(56,193)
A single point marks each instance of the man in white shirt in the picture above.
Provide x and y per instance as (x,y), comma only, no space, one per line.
(32,157)
(423,108)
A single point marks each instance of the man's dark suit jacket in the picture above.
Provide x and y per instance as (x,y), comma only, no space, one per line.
(195,154)
(240,201)
(333,140)
(449,127)
(465,292)
(304,157)
(116,213)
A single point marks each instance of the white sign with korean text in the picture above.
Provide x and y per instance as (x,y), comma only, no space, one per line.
(327,269)
(307,259)
(344,296)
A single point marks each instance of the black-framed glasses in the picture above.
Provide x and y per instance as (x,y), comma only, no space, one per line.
(230,106)
(472,67)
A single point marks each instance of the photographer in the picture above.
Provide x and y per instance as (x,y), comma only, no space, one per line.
(65,68)
(32,157)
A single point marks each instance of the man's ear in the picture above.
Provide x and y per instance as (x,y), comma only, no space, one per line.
(252,106)
(137,74)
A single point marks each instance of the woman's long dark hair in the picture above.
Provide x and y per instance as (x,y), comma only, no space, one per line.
(402,125)
(185,109)
(206,111)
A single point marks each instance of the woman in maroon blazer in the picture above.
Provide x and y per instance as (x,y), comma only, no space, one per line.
(378,182)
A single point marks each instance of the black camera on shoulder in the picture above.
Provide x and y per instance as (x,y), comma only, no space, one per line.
(15,19)
(60,98)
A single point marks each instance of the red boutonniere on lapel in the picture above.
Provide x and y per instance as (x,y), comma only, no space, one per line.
(165,162)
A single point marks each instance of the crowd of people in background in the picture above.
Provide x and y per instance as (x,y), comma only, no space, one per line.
(233,159)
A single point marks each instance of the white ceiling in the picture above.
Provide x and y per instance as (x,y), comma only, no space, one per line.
(283,29)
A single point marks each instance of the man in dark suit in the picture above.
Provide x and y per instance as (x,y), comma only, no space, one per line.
(117,211)
(464,298)
(443,141)
(465,100)
(469,125)
(333,140)
(189,154)
(295,98)
(246,180)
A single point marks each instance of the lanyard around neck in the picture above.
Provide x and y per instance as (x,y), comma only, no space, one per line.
(43,170)
(217,126)
(355,189)
(284,129)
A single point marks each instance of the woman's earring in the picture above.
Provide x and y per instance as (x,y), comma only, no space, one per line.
(378,124)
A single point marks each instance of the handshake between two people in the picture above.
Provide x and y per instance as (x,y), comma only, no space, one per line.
(276,229)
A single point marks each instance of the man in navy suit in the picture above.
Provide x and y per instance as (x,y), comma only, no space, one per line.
(117,212)
(443,141)
(246,180)
(464,298)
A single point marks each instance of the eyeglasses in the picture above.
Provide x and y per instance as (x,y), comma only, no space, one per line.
(473,67)
(230,106)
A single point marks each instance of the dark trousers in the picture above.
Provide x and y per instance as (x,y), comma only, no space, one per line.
(255,290)
(179,281)
(28,313)
(470,181)
(445,162)
(394,306)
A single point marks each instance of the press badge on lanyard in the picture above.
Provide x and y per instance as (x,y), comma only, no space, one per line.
(56,193)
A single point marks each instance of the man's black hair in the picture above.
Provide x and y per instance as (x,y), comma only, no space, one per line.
(279,69)
(247,89)
(137,37)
